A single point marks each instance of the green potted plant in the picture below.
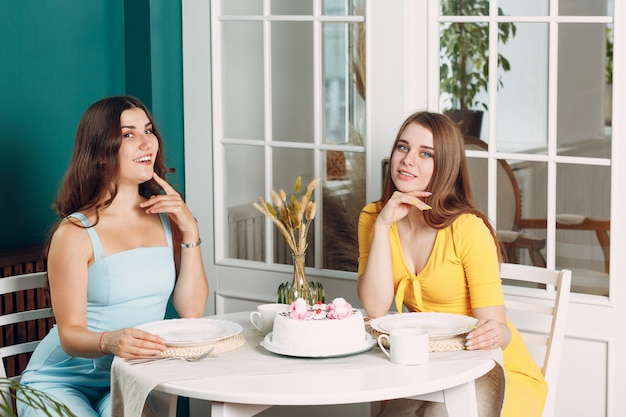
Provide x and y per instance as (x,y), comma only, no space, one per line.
(608,104)
(464,61)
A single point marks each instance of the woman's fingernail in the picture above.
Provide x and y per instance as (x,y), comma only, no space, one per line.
(426,208)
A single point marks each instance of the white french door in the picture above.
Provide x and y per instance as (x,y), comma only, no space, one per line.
(270,94)
(285,83)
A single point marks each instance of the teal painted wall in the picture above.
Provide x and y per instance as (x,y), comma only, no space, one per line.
(56,58)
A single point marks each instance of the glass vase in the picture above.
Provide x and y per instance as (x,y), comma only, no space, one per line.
(299,287)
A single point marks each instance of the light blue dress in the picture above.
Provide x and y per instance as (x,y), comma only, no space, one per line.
(125,289)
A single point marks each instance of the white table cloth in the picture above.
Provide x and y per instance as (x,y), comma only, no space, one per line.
(131,384)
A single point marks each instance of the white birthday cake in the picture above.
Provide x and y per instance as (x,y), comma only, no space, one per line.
(319,326)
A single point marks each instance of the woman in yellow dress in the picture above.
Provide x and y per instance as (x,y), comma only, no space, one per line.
(425,246)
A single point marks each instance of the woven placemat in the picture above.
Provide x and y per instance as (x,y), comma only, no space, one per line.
(443,345)
(221,346)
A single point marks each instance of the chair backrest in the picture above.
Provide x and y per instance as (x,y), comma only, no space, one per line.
(25,317)
(541,320)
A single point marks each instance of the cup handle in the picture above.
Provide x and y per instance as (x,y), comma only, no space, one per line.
(380,343)
(255,316)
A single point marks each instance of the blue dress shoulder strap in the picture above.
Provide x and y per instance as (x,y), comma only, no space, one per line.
(165,221)
(95,240)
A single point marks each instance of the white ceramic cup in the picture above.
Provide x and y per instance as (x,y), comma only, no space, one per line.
(263,318)
(407,346)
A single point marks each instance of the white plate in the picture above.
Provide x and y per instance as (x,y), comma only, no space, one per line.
(192,332)
(364,346)
(439,325)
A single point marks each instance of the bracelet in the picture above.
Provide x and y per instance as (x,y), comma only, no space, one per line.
(191,245)
(100,344)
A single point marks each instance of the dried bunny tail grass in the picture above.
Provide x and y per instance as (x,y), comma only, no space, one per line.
(264,208)
(311,208)
(295,219)
(292,217)
(314,183)
(268,210)
(276,199)
(304,201)
(296,205)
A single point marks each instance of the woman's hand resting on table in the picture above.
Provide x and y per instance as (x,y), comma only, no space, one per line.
(489,332)
(131,343)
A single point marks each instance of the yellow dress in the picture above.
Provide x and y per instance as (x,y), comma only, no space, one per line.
(462,273)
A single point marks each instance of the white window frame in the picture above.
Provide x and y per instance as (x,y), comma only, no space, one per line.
(551,158)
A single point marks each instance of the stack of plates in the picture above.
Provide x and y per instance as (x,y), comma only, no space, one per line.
(439,325)
(193,337)
(446,331)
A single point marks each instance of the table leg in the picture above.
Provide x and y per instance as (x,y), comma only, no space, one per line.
(164,405)
(219,409)
(461,400)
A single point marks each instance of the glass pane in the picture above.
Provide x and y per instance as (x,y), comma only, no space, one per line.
(336,81)
(525,8)
(522,122)
(344,82)
(529,248)
(581,120)
(292,7)
(463,73)
(288,165)
(292,81)
(464,8)
(243,80)
(477,168)
(242,7)
(343,7)
(582,241)
(246,225)
(584,8)
(344,197)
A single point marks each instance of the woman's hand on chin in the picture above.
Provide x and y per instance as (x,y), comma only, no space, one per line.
(399,205)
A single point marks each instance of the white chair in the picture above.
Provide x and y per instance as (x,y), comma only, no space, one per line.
(540,319)
(22,321)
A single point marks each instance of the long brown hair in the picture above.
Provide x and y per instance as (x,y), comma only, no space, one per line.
(450,183)
(94,168)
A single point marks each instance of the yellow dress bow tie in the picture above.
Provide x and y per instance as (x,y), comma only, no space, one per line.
(405,282)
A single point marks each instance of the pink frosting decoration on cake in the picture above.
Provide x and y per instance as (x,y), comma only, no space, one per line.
(319,311)
(339,309)
(300,310)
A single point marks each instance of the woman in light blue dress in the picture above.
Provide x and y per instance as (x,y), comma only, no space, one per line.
(124,244)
